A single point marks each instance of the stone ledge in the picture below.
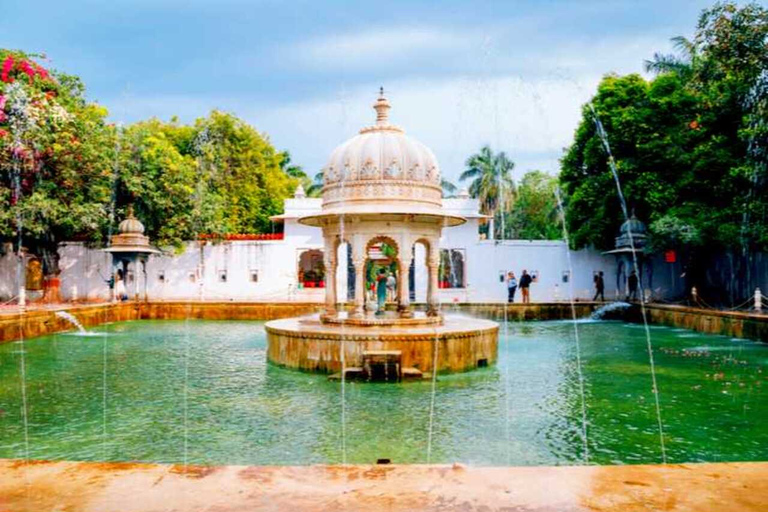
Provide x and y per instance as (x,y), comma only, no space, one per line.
(138,487)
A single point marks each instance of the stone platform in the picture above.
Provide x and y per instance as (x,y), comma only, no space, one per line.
(43,486)
(309,344)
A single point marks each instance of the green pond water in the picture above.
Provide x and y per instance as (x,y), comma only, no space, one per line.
(524,411)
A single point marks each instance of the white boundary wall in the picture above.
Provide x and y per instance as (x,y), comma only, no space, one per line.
(194,272)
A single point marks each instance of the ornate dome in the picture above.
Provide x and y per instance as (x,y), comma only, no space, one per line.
(131,225)
(382,170)
(638,234)
(634,225)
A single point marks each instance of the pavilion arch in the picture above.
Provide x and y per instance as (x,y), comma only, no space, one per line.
(382,239)
(418,272)
(389,260)
(344,270)
(311,268)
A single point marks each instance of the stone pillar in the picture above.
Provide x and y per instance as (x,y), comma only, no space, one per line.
(433,265)
(404,286)
(329,260)
(359,264)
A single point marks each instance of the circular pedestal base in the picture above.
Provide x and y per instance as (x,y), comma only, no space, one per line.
(388,319)
(308,344)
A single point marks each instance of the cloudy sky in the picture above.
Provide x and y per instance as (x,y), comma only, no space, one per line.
(459,75)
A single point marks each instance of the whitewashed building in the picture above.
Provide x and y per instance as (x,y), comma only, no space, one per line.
(289,267)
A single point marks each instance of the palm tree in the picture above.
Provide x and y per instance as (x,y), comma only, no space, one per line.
(316,187)
(448,188)
(682,63)
(492,182)
(292,170)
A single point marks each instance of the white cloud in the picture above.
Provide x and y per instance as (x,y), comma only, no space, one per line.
(532,121)
(377,46)
(532,118)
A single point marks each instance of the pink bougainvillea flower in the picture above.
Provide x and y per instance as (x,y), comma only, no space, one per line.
(2,102)
(3,117)
(7,67)
(41,71)
(3,133)
(27,69)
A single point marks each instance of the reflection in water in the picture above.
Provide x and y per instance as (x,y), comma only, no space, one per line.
(240,410)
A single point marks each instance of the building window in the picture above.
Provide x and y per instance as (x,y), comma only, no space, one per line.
(161,276)
(452,267)
(192,277)
(254,276)
(222,276)
(566,276)
(311,273)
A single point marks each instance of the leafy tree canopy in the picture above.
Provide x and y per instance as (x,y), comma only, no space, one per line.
(65,173)
(689,144)
(535,214)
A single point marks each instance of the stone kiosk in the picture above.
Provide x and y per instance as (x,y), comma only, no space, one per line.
(382,187)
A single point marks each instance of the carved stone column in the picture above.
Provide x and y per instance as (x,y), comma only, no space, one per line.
(359,309)
(433,265)
(404,286)
(329,260)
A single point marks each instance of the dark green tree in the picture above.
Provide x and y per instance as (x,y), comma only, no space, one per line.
(535,214)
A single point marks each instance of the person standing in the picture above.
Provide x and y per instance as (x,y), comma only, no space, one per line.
(632,282)
(120,290)
(511,287)
(525,283)
(599,287)
(391,285)
(381,291)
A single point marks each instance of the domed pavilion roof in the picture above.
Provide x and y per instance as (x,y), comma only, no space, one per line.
(381,170)
(130,238)
(633,224)
(131,225)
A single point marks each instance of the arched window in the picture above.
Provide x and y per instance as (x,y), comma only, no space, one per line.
(452,269)
(311,273)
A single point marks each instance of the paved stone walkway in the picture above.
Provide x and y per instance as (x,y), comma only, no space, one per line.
(128,487)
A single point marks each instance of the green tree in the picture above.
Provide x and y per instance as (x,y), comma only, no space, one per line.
(535,214)
(219,176)
(56,152)
(689,146)
(492,184)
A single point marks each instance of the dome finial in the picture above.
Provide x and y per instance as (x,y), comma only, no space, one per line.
(382,109)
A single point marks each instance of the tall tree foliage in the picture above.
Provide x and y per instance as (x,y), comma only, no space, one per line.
(55,154)
(535,215)
(681,141)
(219,176)
(64,169)
(690,147)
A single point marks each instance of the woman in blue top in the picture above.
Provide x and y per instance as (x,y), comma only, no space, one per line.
(511,286)
(381,291)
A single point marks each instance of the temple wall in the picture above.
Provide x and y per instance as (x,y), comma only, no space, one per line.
(225,271)
(197,272)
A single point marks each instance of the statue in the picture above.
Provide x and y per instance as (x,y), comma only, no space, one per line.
(34,275)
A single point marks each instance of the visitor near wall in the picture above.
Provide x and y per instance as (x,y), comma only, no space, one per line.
(381,291)
(391,286)
(525,283)
(599,286)
(511,286)
(632,283)
(120,291)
